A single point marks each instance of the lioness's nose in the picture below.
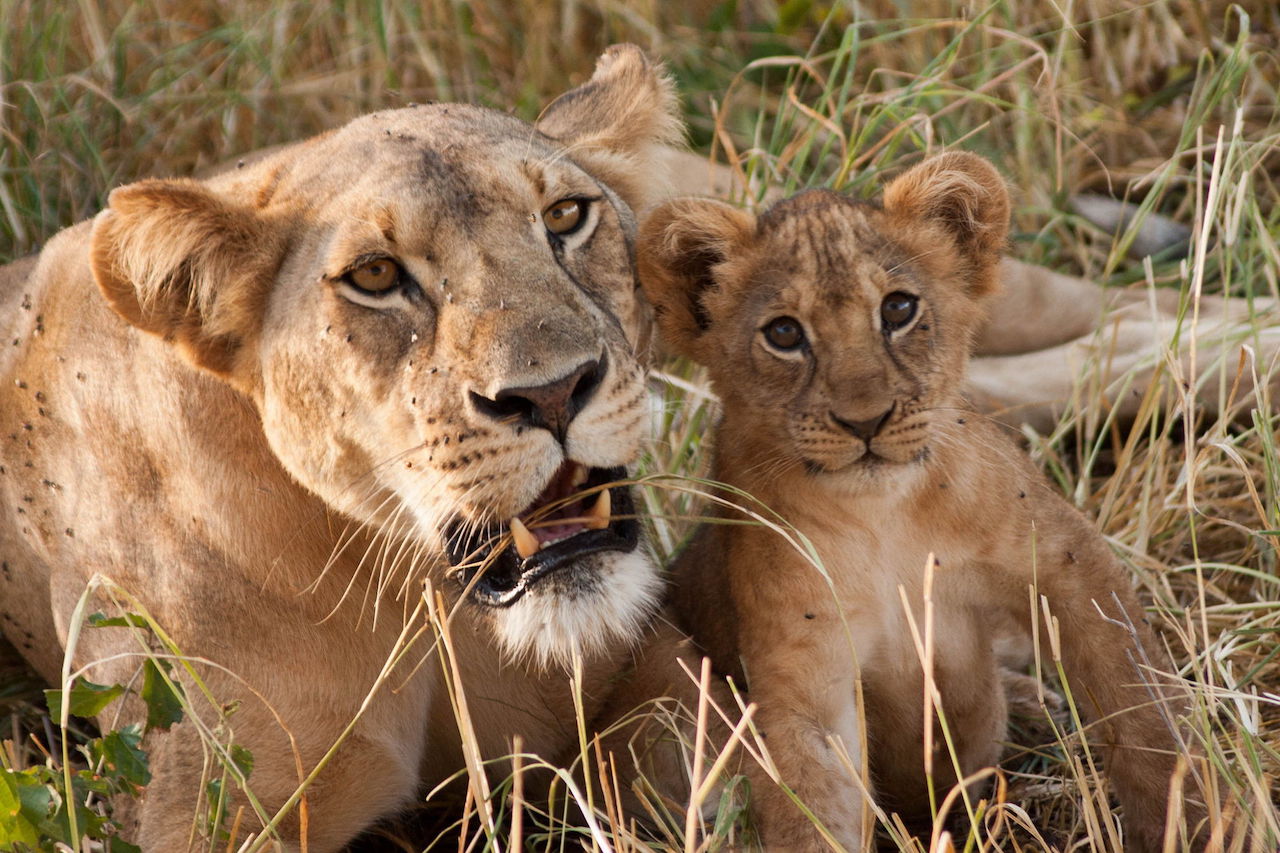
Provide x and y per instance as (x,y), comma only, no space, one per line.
(552,406)
(865,430)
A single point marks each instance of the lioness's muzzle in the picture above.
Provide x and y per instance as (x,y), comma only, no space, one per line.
(553,533)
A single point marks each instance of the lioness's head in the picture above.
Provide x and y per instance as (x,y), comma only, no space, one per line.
(833,330)
(436,313)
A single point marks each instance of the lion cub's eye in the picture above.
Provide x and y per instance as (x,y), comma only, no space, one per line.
(897,309)
(377,276)
(784,333)
(564,216)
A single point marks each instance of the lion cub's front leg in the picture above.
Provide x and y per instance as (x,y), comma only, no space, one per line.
(1116,670)
(812,732)
(802,674)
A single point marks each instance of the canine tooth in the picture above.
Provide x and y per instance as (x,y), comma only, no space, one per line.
(598,515)
(579,475)
(526,542)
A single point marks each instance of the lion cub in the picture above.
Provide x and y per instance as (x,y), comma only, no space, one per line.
(837,334)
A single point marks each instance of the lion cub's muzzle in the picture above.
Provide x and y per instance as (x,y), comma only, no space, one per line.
(577,514)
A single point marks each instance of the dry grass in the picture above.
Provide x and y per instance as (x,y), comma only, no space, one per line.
(1172,105)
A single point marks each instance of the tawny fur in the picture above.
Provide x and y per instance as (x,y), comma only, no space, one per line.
(934,481)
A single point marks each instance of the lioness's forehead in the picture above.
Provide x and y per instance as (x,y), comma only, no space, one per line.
(449,150)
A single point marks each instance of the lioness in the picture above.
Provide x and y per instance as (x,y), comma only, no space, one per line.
(836,334)
(386,346)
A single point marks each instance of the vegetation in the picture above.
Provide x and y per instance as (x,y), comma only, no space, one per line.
(1170,105)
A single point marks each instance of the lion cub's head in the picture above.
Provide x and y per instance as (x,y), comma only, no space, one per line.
(834,330)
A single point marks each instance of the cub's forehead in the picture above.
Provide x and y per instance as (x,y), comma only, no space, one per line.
(828,242)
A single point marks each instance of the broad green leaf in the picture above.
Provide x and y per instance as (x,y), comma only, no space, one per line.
(37,799)
(89,823)
(124,757)
(217,814)
(242,759)
(87,698)
(116,845)
(125,620)
(15,828)
(164,701)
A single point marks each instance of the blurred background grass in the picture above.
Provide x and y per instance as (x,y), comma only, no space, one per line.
(1066,96)
(1126,99)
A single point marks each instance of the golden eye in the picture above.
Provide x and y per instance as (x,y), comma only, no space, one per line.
(564,216)
(376,276)
(897,310)
(784,333)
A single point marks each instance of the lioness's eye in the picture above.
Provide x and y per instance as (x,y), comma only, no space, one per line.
(376,276)
(564,216)
(897,309)
(784,333)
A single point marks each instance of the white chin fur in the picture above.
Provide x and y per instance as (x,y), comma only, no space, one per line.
(549,625)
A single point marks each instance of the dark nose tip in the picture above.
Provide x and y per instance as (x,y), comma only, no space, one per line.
(552,406)
(865,430)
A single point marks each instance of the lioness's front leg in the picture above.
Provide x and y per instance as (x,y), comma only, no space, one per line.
(369,777)
(263,695)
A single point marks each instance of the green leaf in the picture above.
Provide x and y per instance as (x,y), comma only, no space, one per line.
(124,757)
(731,810)
(87,782)
(87,698)
(15,828)
(242,759)
(164,700)
(217,814)
(89,824)
(37,799)
(216,792)
(116,845)
(125,620)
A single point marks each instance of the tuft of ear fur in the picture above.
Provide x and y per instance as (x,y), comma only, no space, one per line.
(617,123)
(964,194)
(175,260)
(682,246)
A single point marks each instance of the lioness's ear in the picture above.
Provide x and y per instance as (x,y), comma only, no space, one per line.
(964,194)
(616,123)
(177,261)
(683,249)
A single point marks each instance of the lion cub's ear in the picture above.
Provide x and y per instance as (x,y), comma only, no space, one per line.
(964,194)
(684,248)
(177,261)
(616,123)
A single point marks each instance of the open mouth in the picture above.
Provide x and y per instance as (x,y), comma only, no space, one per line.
(576,514)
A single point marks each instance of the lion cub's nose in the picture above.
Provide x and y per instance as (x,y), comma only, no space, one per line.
(552,406)
(865,430)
